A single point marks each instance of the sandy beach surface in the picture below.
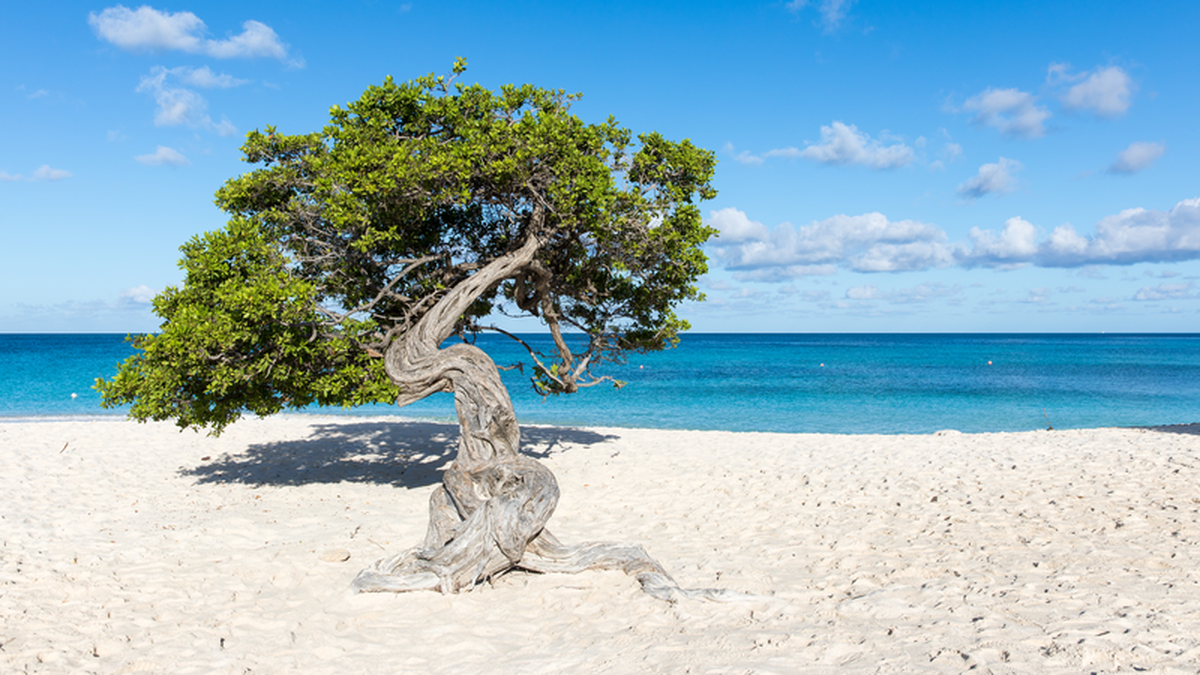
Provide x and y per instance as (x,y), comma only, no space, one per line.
(134,548)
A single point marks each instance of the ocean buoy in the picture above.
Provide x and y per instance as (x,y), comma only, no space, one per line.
(74,395)
(989,363)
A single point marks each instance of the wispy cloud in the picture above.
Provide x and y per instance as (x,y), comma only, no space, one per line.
(743,157)
(832,12)
(205,78)
(843,144)
(129,312)
(992,179)
(41,174)
(163,156)
(181,106)
(920,293)
(1137,157)
(1011,111)
(149,29)
(1179,291)
(33,95)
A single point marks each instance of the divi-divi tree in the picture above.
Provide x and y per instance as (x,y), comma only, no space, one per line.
(359,261)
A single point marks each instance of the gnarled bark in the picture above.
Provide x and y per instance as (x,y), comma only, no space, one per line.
(490,513)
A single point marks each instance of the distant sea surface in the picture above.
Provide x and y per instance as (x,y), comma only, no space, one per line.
(826,383)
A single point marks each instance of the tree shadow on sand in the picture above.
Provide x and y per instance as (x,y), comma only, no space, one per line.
(403,454)
(1188,429)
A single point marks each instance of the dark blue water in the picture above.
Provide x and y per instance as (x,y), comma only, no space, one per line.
(839,383)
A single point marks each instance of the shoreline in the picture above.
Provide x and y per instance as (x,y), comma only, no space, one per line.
(132,547)
(1178,427)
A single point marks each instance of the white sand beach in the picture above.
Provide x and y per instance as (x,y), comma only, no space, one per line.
(128,548)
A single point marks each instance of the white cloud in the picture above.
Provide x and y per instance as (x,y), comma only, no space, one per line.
(1037,296)
(862,292)
(1015,245)
(866,243)
(903,296)
(735,227)
(843,144)
(41,174)
(1138,156)
(1131,236)
(148,29)
(1165,292)
(743,157)
(992,179)
(950,152)
(832,11)
(44,172)
(1107,92)
(180,106)
(163,156)
(205,78)
(872,243)
(138,295)
(1011,111)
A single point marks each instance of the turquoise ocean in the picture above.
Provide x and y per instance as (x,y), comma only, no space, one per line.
(826,383)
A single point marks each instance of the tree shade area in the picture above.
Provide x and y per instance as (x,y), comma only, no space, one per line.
(359,261)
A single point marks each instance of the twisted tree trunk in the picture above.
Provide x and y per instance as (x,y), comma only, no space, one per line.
(490,513)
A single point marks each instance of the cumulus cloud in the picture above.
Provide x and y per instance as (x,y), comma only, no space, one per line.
(149,29)
(163,156)
(992,179)
(1138,156)
(1014,246)
(1131,236)
(872,243)
(1011,111)
(41,174)
(181,106)
(865,243)
(1107,92)
(832,11)
(843,144)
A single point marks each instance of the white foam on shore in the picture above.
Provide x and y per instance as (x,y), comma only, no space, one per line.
(138,548)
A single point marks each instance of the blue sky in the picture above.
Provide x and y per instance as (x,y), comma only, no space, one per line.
(884,167)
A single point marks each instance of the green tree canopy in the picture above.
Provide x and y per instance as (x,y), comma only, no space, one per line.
(340,242)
